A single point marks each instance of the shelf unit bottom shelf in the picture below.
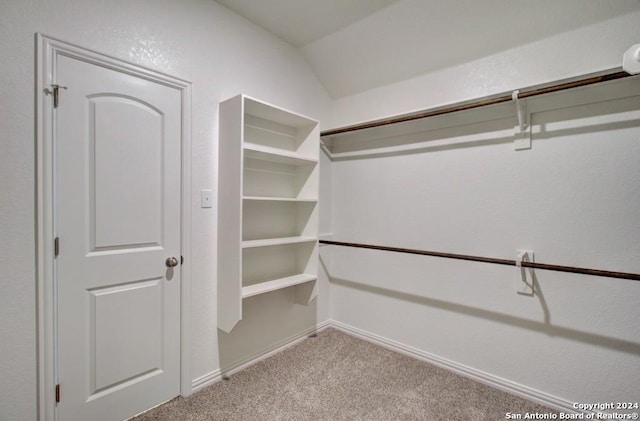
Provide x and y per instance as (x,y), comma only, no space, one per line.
(268,286)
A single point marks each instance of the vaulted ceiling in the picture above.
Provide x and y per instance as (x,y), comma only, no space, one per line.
(356,45)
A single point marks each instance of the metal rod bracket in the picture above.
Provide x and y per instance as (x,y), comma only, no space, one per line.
(522,132)
(524,277)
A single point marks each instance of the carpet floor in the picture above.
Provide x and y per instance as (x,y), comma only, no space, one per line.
(335,376)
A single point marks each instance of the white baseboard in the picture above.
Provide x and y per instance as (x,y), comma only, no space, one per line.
(206,380)
(472,373)
(273,349)
(217,375)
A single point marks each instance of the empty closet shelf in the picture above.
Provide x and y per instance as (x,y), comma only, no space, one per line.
(278,199)
(277,241)
(264,287)
(266,153)
(277,133)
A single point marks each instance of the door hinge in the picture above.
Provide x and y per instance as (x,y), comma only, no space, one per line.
(55,91)
(57,393)
(56,247)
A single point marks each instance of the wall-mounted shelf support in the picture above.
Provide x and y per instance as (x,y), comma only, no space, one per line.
(522,135)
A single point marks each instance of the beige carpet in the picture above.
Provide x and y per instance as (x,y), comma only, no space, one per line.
(338,377)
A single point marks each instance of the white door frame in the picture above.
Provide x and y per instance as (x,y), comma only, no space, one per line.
(48,49)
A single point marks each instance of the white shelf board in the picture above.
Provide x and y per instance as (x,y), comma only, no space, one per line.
(264,129)
(266,153)
(271,112)
(268,286)
(277,241)
(278,199)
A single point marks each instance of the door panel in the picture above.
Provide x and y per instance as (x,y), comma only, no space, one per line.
(124,134)
(118,218)
(128,314)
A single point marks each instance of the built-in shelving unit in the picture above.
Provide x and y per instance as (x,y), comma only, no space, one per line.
(268,205)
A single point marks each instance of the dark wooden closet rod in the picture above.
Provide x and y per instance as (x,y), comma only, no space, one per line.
(477,104)
(533,265)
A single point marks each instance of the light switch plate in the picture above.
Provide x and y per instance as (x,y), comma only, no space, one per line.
(206,198)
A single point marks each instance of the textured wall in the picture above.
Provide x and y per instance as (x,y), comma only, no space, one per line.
(410,38)
(579,51)
(198,40)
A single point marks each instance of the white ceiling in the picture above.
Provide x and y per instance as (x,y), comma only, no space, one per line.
(300,22)
(356,45)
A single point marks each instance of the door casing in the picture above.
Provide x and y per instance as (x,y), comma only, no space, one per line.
(47,51)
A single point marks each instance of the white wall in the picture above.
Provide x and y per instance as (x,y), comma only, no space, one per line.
(198,40)
(585,50)
(414,37)
(573,199)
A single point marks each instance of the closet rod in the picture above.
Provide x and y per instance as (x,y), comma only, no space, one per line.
(477,104)
(532,265)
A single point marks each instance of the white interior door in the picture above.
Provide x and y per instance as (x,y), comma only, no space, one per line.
(118,147)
